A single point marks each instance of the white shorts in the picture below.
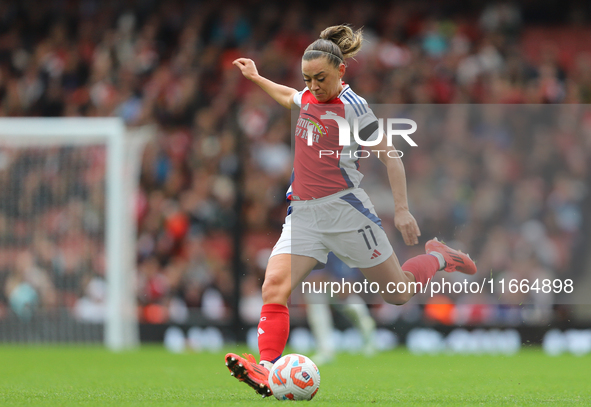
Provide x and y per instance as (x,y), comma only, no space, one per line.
(344,223)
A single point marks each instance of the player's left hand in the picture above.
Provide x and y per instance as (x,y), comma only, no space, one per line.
(407,225)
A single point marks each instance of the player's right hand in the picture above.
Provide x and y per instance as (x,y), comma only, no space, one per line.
(247,67)
(408,227)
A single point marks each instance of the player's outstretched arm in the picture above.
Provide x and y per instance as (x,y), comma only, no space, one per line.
(403,219)
(282,94)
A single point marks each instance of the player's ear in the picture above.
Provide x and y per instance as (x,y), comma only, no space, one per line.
(342,69)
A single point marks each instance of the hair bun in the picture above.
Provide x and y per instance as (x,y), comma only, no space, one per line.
(343,36)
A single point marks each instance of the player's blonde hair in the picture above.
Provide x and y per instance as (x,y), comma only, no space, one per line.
(336,43)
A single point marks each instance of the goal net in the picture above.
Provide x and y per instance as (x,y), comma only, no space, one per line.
(67,230)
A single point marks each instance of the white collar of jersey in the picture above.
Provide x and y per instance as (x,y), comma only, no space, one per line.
(345,88)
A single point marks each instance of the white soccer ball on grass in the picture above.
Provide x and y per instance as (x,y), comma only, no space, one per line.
(294,377)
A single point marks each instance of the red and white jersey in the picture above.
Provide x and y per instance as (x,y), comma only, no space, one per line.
(316,176)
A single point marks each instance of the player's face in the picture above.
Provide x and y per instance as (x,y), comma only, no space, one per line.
(322,78)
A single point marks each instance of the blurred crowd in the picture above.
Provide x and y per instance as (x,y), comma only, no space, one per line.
(516,203)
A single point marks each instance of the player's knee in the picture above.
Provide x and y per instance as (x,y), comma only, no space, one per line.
(276,289)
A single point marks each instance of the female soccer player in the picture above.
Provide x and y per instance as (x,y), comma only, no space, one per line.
(328,211)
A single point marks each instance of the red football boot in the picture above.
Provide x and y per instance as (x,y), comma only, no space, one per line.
(455,260)
(250,372)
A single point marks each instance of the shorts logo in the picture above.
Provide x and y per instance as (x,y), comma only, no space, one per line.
(260,331)
(375,254)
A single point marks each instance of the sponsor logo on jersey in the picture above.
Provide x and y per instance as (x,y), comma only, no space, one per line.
(317,126)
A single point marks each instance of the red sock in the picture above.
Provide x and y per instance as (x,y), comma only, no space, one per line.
(273,331)
(423,267)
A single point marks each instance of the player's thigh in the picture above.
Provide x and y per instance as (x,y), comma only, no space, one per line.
(284,272)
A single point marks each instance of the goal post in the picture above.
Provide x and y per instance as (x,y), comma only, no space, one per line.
(123,151)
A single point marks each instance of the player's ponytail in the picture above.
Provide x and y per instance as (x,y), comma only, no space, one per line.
(336,43)
(349,42)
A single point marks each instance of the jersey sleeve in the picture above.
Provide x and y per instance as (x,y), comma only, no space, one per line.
(297,99)
(368,126)
(368,123)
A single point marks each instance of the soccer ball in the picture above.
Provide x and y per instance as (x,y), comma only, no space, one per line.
(294,377)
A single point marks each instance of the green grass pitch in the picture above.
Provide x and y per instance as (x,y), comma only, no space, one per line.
(91,376)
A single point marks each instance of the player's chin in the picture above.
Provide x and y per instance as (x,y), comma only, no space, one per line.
(321,97)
